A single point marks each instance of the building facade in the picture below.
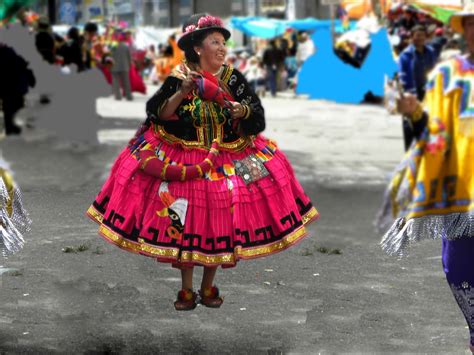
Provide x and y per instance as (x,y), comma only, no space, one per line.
(172,13)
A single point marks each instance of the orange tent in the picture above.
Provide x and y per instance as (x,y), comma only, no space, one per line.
(357,9)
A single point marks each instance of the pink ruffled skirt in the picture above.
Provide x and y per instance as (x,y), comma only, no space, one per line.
(215,220)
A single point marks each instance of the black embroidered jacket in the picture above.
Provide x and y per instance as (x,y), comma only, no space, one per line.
(200,122)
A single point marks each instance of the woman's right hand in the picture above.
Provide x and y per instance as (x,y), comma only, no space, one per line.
(407,104)
(188,83)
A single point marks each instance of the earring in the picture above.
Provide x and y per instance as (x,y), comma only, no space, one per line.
(199,53)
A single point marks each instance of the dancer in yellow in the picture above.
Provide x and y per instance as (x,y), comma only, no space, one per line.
(431,195)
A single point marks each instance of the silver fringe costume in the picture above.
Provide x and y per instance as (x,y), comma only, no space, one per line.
(14,220)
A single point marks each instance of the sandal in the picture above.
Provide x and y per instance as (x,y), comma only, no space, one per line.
(210,297)
(186,300)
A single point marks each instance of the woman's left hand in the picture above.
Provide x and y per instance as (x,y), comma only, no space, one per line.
(237,110)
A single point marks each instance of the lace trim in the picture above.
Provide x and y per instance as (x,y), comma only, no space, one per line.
(464,295)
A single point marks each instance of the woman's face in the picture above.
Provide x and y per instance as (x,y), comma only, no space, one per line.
(212,51)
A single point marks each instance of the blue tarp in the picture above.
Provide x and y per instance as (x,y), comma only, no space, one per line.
(264,27)
(326,76)
(310,24)
(259,26)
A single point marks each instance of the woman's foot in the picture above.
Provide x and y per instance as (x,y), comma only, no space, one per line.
(210,297)
(186,300)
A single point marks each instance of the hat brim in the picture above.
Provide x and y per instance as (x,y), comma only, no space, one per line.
(187,39)
(456,20)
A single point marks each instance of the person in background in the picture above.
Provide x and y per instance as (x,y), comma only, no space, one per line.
(438,41)
(150,58)
(243,62)
(404,42)
(163,65)
(451,50)
(44,41)
(16,79)
(122,61)
(408,19)
(90,33)
(293,43)
(153,75)
(273,59)
(415,62)
(255,75)
(282,73)
(305,48)
(72,50)
(178,54)
(59,43)
(128,39)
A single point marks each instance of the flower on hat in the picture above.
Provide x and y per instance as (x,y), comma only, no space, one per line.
(205,21)
(209,21)
(200,23)
(190,28)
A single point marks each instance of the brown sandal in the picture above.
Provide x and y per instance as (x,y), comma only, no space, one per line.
(210,297)
(186,300)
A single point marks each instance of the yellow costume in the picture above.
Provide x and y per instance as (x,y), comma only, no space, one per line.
(431,194)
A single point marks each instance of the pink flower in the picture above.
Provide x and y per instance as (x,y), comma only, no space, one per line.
(189,28)
(209,21)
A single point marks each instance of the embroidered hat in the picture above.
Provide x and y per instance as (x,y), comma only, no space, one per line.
(456,19)
(198,24)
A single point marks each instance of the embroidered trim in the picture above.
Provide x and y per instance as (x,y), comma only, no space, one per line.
(199,170)
(174,254)
(235,146)
(163,171)
(227,73)
(145,162)
(206,122)
(219,172)
(207,160)
(93,214)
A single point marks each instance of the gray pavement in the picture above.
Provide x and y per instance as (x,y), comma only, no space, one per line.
(105,300)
